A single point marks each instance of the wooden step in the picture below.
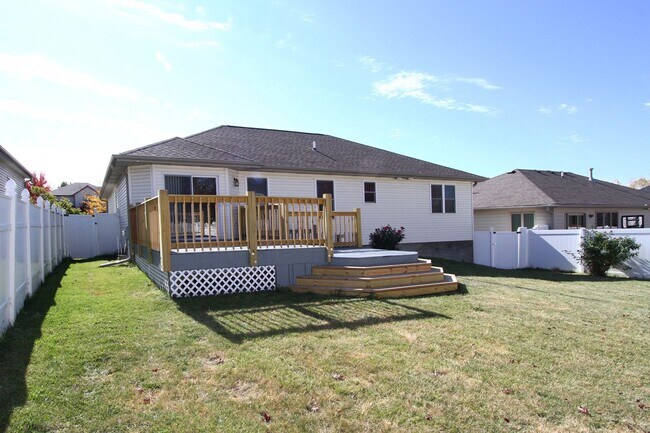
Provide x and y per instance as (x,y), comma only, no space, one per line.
(373,271)
(449,284)
(371,282)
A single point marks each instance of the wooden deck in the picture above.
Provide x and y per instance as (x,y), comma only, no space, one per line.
(387,281)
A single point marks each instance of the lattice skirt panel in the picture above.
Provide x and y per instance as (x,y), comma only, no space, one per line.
(223,281)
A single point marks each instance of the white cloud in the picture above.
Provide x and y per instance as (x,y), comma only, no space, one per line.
(173,18)
(577,138)
(163,61)
(647,104)
(418,85)
(307,18)
(480,82)
(202,44)
(56,115)
(35,66)
(371,64)
(561,108)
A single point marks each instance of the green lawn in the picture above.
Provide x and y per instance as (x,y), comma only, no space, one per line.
(103,350)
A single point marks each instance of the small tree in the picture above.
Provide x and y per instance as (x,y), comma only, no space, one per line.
(386,238)
(92,202)
(601,251)
(37,186)
(68,207)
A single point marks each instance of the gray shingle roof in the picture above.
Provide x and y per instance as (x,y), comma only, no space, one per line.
(531,188)
(292,151)
(73,188)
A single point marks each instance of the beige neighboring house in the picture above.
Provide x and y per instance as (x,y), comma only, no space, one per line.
(557,200)
(76,192)
(10,168)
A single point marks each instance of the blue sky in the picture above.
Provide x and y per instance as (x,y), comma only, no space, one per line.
(484,87)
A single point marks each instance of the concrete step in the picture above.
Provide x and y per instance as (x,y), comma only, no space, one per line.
(371,282)
(449,284)
(374,271)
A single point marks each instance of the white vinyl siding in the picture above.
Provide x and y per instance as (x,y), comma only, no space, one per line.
(403,203)
(140,187)
(121,199)
(7,173)
(501,219)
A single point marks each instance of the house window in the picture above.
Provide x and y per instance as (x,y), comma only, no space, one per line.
(443,198)
(369,192)
(576,221)
(606,219)
(204,186)
(258,185)
(325,187)
(178,184)
(632,221)
(522,220)
(189,185)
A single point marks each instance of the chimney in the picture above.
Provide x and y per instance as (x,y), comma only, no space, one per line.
(313,145)
(591,174)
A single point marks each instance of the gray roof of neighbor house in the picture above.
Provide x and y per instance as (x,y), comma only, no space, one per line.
(276,150)
(534,188)
(12,162)
(73,188)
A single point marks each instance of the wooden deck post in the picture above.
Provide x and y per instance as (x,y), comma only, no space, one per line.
(251,227)
(164,231)
(329,232)
(357,220)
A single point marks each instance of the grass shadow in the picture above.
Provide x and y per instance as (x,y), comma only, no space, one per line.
(239,318)
(17,344)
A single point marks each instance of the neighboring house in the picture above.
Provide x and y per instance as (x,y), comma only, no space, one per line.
(76,192)
(559,200)
(433,202)
(10,168)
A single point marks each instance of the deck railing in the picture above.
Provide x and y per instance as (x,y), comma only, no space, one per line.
(197,223)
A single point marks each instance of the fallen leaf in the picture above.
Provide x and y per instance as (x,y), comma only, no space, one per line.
(584,409)
(642,406)
(507,391)
(438,373)
(146,400)
(314,408)
(139,390)
(155,370)
(506,419)
(512,361)
(266,417)
(428,417)
(337,376)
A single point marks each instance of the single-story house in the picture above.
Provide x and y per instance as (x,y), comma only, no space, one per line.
(10,168)
(295,180)
(76,192)
(556,200)
(433,202)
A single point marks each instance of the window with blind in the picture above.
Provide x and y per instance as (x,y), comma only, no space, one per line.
(189,185)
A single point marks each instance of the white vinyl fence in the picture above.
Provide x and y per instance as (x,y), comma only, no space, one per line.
(88,236)
(550,249)
(31,245)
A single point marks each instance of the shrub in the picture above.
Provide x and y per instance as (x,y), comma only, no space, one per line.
(601,251)
(386,238)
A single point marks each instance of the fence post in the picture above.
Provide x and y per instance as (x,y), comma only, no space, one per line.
(522,248)
(164,229)
(492,246)
(329,232)
(147,241)
(10,191)
(41,238)
(54,211)
(358,227)
(24,196)
(48,237)
(251,227)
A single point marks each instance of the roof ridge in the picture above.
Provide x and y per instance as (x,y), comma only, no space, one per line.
(278,130)
(552,200)
(149,145)
(218,149)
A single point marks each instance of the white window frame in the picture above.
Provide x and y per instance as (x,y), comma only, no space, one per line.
(444,198)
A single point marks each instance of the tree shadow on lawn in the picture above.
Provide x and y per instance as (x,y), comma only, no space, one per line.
(259,315)
(18,342)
